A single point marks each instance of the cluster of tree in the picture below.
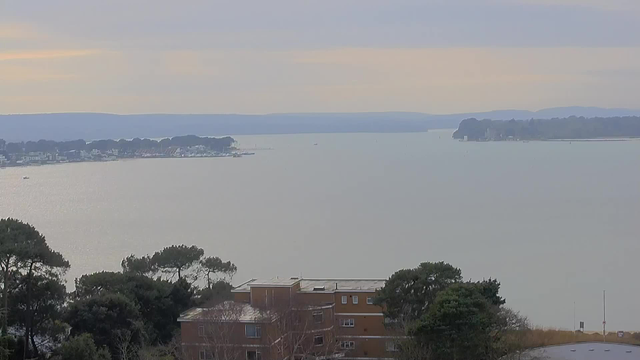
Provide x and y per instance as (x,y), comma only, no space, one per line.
(441,317)
(536,129)
(110,315)
(122,145)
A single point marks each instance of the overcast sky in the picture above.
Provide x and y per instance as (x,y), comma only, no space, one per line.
(206,56)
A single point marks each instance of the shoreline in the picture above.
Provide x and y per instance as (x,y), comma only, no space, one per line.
(558,140)
(35,165)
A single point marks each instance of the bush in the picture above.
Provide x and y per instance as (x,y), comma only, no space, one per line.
(82,347)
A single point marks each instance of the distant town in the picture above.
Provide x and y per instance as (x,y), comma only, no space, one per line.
(33,153)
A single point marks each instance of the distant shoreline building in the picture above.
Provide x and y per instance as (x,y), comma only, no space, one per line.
(291,318)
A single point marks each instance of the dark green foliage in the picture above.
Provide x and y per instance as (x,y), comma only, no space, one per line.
(448,319)
(216,293)
(125,146)
(212,265)
(81,347)
(28,263)
(10,349)
(489,289)
(103,354)
(102,316)
(159,302)
(458,325)
(108,309)
(177,259)
(48,295)
(138,265)
(408,293)
(567,128)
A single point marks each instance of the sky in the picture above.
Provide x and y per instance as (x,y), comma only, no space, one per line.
(211,56)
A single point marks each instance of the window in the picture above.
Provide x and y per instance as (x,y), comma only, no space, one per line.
(344,299)
(318,317)
(348,345)
(201,330)
(206,355)
(369,300)
(347,322)
(392,346)
(355,299)
(252,331)
(254,355)
(318,340)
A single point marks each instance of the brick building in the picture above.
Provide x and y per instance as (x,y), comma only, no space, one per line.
(291,319)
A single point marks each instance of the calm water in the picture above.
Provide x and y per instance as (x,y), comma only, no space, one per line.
(554,222)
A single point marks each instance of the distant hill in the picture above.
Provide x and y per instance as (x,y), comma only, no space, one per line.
(89,126)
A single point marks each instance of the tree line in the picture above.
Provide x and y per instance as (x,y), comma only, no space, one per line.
(439,316)
(543,129)
(122,145)
(130,314)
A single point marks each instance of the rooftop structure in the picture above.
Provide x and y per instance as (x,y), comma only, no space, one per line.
(311,285)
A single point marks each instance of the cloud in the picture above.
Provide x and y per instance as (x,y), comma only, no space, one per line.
(190,63)
(292,24)
(438,80)
(623,5)
(19,31)
(46,54)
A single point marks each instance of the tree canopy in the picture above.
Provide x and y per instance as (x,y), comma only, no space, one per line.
(213,265)
(82,347)
(138,265)
(446,318)
(177,259)
(123,312)
(408,293)
(541,129)
(102,316)
(30,268)
(125,146)
(458,325)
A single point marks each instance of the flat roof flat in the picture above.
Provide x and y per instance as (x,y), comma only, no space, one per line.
(227,311)
(273,282)
(314,285)
(585,351)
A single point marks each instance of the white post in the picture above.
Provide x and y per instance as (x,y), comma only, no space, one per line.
(604,316)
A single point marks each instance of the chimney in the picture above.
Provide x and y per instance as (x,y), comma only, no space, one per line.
(336,286)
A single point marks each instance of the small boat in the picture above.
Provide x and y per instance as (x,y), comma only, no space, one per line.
(316,144)
(591,349)
(25,178)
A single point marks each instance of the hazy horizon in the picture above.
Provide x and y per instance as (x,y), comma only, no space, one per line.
(324,112)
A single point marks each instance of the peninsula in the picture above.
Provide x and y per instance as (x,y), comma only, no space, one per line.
(571,128)
(51,152)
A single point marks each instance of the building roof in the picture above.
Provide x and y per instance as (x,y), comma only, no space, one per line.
(228,311)
(586,351)
(274,282)
(317,285)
